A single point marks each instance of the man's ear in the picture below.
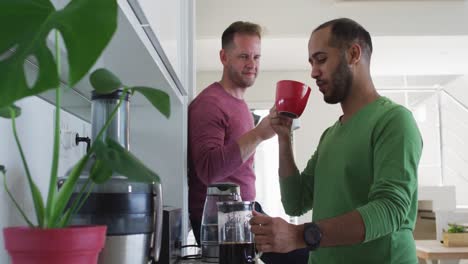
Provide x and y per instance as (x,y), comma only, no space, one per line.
(223,56)
(354,53)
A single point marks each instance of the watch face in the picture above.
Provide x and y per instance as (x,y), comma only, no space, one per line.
(312,235)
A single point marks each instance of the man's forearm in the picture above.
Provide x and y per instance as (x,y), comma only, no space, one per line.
(250,140)
(287,166)
(347,229)
(248,143)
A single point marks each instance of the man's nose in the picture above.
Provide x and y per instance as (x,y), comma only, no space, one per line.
(251,62)
(315,72)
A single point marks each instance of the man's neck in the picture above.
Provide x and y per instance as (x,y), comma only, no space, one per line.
(361,94)
(230,88)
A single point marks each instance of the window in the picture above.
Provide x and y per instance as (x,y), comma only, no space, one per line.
(266,170)
(443,123)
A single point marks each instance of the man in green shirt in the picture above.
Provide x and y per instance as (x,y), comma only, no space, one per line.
(361,182)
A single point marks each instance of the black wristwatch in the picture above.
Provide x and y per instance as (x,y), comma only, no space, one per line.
(312,235)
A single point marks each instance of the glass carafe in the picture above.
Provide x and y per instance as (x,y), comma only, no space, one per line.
(217,192)
(236,240)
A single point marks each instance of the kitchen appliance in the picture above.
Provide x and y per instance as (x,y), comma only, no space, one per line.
(132,211)
(171,243)
(236,240)
(218,192)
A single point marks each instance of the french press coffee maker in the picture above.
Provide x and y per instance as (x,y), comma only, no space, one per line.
(218,192)
(236,240)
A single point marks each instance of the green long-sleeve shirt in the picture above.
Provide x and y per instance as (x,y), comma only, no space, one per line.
(368,164)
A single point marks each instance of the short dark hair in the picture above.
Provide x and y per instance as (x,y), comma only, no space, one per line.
(240,27)
(345,31)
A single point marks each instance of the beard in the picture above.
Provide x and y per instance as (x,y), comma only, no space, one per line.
(239,79)
(342,80)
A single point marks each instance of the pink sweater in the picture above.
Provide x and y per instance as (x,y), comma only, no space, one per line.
(216,120)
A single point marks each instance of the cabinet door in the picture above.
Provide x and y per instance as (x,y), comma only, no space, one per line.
(170,22)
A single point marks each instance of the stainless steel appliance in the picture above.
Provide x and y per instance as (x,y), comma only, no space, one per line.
(218,192)
(171,243)
(132,211)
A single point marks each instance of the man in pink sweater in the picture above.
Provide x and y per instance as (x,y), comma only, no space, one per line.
(222,137)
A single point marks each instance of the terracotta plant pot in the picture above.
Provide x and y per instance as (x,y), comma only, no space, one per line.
(73,245)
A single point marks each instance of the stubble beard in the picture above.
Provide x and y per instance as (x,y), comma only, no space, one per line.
(239,80)
(342,80)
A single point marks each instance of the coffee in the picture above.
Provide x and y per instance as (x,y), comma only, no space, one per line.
(236,253)
(288,114)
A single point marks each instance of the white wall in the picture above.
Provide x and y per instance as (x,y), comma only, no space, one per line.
(156,141)
(457,88)
(161,144)
(35,130)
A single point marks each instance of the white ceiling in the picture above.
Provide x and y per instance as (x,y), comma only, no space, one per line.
(411,38)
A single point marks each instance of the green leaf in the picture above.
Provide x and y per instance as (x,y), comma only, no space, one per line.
(100,172)
(23,214)
(104,81)
(86,27)
(454,228)
(21,24)
(38,202)
(36,194)
(78,201)
(65,219)
(66,191)
(124,163)
(158,99)
(6,111)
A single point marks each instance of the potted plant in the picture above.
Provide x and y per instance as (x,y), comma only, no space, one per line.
(456,235)
(86,27)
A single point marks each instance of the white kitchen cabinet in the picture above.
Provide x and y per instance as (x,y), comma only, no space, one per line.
(172,23)
(137,57)
(136,53)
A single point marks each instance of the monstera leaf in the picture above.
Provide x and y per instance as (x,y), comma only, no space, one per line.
(159,99)
(104,81)
(100,172)
(86,27)
(6,111)
(123,162)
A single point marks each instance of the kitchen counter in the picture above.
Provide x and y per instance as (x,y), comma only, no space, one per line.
(193,261)
(199,261)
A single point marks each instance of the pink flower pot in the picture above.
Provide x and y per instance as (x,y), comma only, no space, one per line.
(72,245)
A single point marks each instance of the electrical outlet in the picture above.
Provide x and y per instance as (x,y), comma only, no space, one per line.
(70,152)
(86,132)
(63,131)
(70,128)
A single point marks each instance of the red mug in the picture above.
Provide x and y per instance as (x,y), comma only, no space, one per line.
(291,98)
